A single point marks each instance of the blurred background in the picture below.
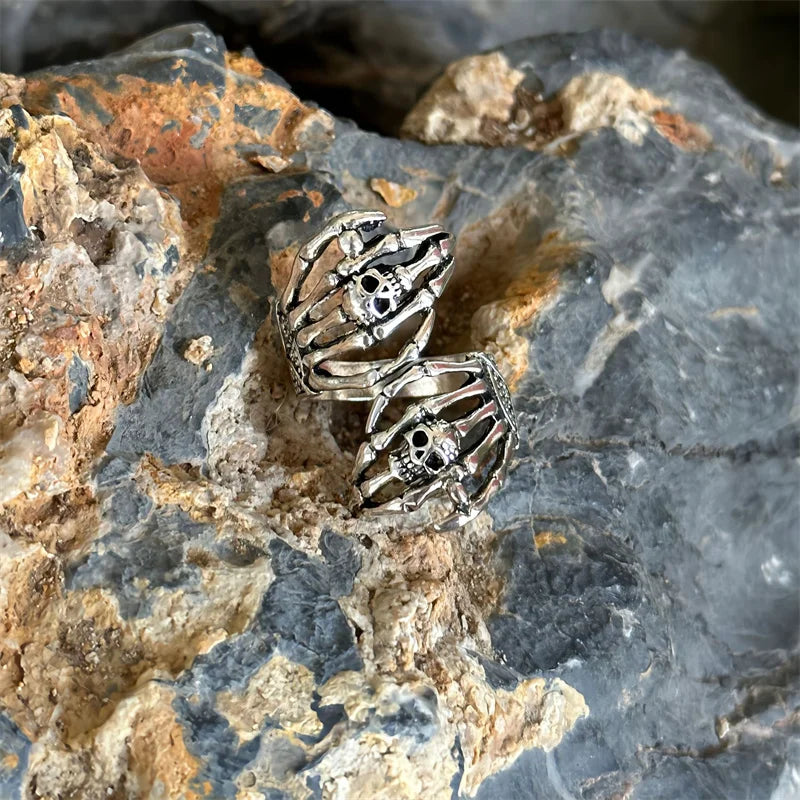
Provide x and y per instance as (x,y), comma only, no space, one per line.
(371,60)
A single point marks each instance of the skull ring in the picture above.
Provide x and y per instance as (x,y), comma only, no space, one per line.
(351,289)
(456,442)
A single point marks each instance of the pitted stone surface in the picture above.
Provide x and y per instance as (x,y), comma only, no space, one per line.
(188,601)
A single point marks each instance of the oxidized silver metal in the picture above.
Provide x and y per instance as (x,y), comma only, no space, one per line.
(384,278)
(432,451)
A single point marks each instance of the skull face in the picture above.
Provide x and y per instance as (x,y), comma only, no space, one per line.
(429,448)
(373,295)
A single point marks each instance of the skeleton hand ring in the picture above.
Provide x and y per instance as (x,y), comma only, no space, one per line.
(455,442)
(352,287)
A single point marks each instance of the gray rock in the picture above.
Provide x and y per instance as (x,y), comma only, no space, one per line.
(370,60)
(12,228)
(623,622)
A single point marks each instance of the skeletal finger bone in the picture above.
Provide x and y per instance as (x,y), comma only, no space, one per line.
(382,281)
(461,459)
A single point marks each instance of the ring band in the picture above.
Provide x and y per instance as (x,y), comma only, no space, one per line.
(456,442)
(383,278)
(352,289)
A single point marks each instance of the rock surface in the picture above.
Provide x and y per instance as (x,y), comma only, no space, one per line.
(190,607)
(370,60)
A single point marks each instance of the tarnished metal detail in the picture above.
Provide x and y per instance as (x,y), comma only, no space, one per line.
(455,442)
(383,279)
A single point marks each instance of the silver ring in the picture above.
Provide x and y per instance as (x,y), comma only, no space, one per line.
(455,443)
(330,313)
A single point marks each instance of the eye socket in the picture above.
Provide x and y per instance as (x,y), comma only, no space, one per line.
(382,305)
(419,439)
(369,283)
(434,462)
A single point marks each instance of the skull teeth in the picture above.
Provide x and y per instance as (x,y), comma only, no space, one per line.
(407,470)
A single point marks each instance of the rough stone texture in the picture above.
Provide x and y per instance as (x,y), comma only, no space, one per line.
(370,60)
(189,606)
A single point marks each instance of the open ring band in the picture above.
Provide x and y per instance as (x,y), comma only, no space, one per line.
(455,443)
(329,315)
